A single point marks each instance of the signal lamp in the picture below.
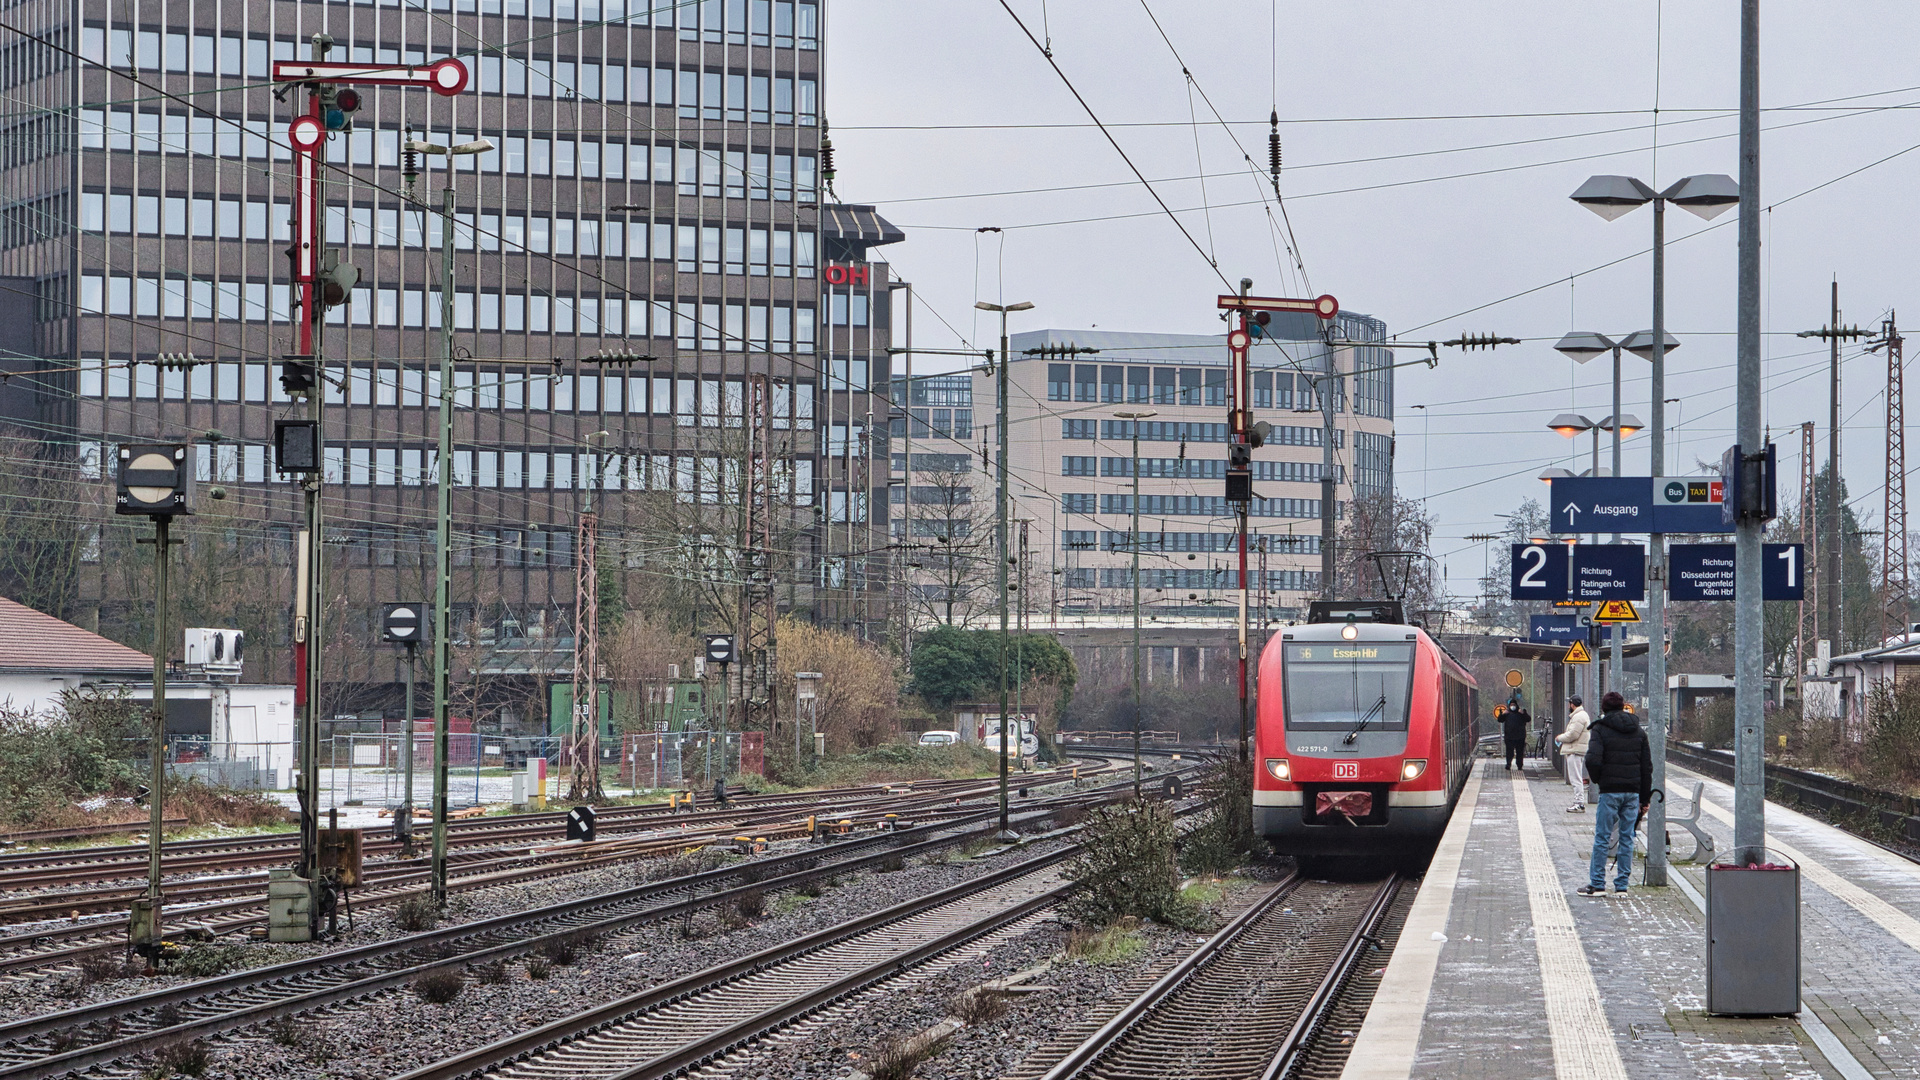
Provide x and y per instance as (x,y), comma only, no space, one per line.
(296,446)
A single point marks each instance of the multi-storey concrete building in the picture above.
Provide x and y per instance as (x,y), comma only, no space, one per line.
(1072,462)
(655,188)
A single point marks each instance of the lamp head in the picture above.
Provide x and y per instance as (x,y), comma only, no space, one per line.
(1582,345)
(1570,424)
(1612,196)
(1551,475)
(1706,196)
(1640,344)
(1628,424)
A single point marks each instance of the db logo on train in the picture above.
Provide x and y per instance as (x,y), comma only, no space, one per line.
(1346,770)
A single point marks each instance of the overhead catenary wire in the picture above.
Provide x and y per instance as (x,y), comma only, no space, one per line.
(1144,182)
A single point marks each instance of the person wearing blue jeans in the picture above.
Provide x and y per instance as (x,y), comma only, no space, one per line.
(1620,763)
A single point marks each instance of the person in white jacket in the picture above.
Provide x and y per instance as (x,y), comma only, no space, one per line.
(1573,751)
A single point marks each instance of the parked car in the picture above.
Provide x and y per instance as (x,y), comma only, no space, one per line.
(939,738)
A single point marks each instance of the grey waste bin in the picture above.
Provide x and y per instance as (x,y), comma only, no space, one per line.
(1753,937)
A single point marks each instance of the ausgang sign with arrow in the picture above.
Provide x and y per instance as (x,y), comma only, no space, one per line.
(1636,504)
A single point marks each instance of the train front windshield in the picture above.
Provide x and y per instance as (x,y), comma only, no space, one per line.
(1347,685)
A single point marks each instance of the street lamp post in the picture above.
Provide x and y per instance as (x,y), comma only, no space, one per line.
(1706,196)
(443,531)
(1582,346)
(1133,423)
(1000,518)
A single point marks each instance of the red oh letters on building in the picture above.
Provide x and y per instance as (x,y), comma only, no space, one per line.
(846,275)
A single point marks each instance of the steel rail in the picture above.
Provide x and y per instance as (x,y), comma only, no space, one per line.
(1301,1034)
(599,1018)
(289,976)
(1134,1011)
(248,913)
(1135,1021)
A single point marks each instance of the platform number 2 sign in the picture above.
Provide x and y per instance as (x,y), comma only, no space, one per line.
(1539,572)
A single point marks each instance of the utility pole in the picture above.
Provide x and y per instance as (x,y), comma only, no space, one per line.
(1810,604)
(443,553)
(1834,333)
(403,817)
(1000,520)
(1749,721)
(1133,424)
(1893,537)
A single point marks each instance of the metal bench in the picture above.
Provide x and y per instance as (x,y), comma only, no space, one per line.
(1702,841)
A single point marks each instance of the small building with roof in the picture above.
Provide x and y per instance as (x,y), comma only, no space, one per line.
(40,656)
(1843,693)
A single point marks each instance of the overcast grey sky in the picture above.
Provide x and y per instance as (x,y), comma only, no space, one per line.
(1408,200)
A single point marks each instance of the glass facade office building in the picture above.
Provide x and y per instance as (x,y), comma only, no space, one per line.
(655,189)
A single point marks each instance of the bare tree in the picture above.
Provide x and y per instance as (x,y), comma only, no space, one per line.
(948,534)
(1386,522)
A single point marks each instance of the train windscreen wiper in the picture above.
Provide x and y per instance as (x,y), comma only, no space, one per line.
(1378,707)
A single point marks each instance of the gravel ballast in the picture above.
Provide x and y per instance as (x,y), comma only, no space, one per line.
(394,1032)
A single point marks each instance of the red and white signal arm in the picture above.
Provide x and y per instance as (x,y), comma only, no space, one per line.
(445,77)
(1326,307)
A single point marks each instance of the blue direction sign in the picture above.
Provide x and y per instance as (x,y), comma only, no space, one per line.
(1578,572)
(1605,504)
(1609,572)
(1539,572)
(1638,504)
(1558,629)
(1705,572)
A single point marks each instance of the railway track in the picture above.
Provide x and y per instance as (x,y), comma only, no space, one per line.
(679,1025)
(1248,1003)
(121,1029)
(30,870)
(45,949)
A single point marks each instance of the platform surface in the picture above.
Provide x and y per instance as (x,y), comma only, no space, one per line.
(1503,972)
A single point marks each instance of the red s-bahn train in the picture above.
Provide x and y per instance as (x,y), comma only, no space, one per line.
(1364,737)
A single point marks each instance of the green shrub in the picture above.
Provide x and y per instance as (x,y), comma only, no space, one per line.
(1116,944)
(1224,838)
(50,760)
(1127,867)
(1890,750)
(206,961)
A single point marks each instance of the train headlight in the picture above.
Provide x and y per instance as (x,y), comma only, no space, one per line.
(1412,768)
(1278,768)
(1349,631)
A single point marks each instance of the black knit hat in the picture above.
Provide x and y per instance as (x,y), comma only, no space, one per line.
(1575,700)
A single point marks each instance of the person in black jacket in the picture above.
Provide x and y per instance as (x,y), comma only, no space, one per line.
(1620,763)
(1515,723)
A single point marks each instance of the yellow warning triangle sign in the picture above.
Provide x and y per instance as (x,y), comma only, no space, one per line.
(1616,611)
(1577,654)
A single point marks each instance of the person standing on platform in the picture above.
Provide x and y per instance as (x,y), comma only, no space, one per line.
(1515,723)
(1573,751)
(1621,764)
